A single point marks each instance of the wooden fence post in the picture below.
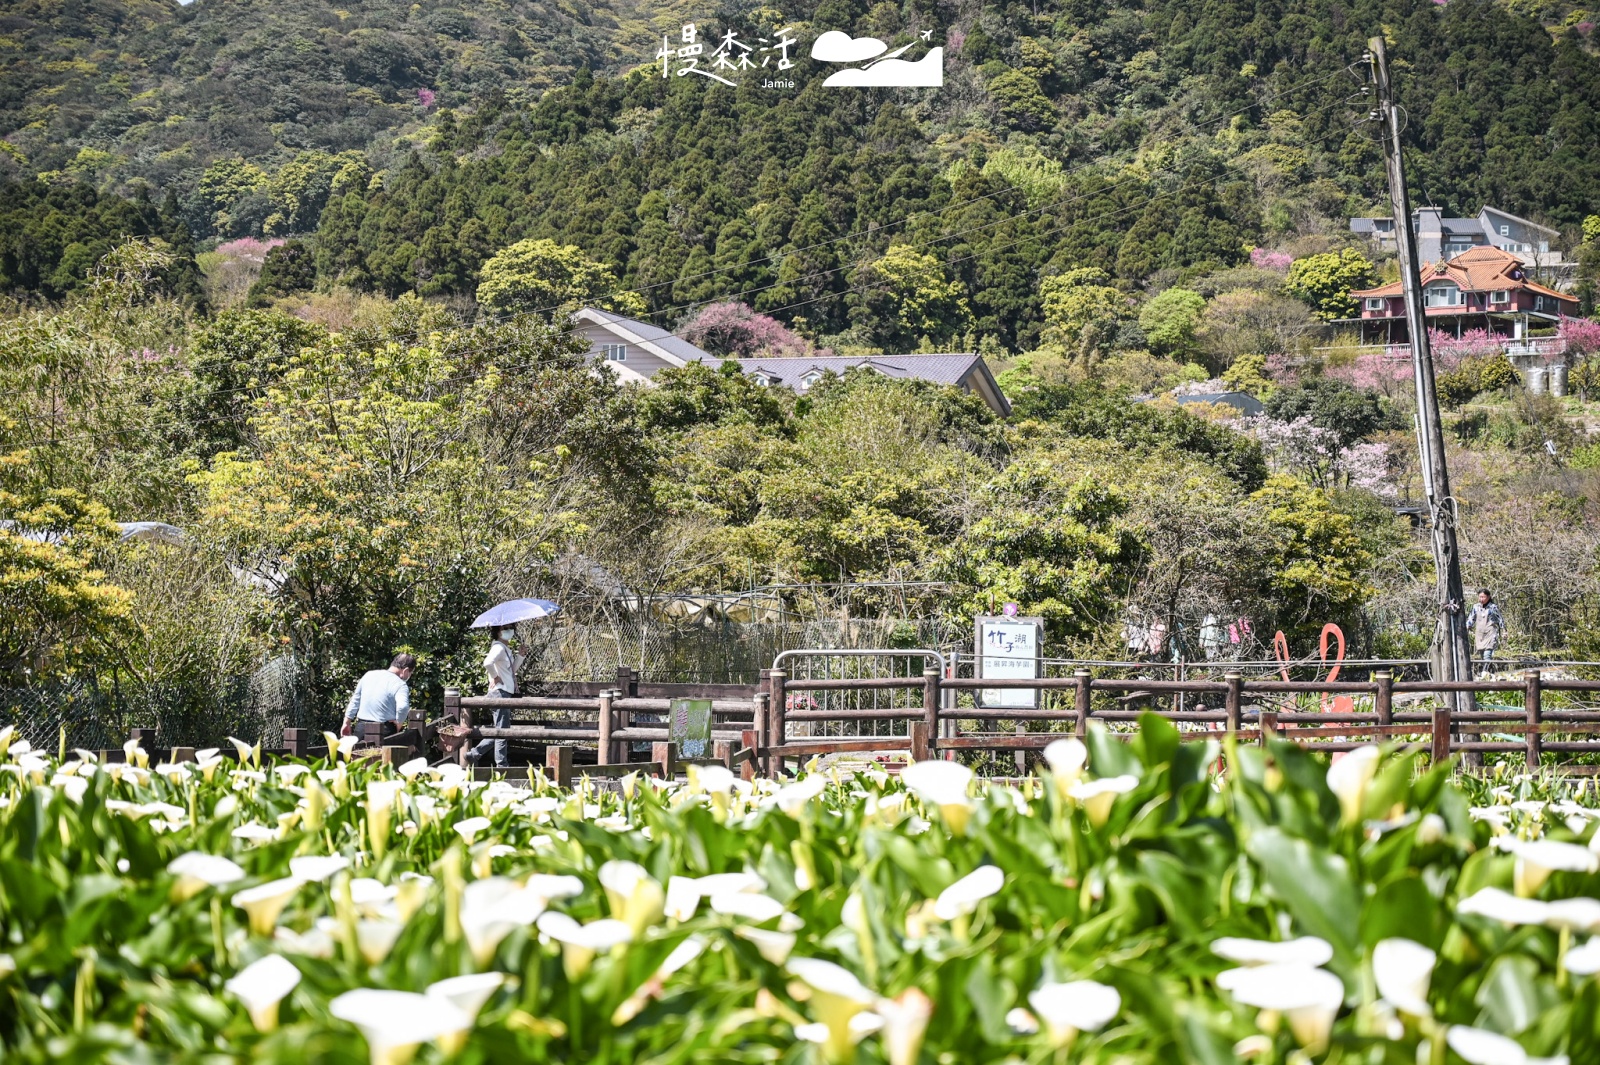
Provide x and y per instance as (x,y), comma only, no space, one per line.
(452,704)
(919,741)
(603,752)
(931,679)
(751,738)
(777,731)
(760,721)
(1234,700)
(464,717)
(296,741)
(1081,728)
(666,753)
(558,764)
(1441,734)
(628,682)
(1021,755)
(181,754)
(1532,700)
(1269,724)
(144,737)
(722,750)
(1383,699)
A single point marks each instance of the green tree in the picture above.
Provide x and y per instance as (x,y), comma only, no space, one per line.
(1324,282)
(1169,320)
(904,301)
(1313,561)
(1082,311)
(1344,410)
(226,185)
(288,268)
(551,279)
(58,613)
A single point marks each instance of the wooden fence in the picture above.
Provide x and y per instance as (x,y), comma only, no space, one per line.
(759,726)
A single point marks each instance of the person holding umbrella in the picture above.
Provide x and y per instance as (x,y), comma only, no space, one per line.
(501,665)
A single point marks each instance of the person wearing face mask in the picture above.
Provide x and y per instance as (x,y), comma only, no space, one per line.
(501,664)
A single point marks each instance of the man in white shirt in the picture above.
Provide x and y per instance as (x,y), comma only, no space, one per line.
(383,696)
(501,665)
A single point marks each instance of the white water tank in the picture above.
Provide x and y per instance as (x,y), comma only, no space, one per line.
(1558,379)
(1535,377)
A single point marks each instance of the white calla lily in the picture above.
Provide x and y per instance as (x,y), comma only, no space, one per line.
(942,784)
(1537,859)
(1097,796)
(471,828)
(1403,970)
(263,984)
(1504,907)
(962,897)
(1584,960)
(581,942)
(1076,1006)
(395,1023)
(197,871)
(262,904)
(750,907)
(314,868)
(1308,998)
(837,998)
(1478,1046)
(635,896)
(793,799)
(1349,777)
(1307,950)
(775,947)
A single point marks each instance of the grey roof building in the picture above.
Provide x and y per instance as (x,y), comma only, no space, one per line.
(966,371)
(637,351)
(1440,238)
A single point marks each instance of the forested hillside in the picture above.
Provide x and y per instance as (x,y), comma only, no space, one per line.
(1154,141)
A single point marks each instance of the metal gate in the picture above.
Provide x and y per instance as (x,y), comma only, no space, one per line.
(855,664)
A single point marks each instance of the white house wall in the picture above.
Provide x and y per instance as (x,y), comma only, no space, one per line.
(641,362)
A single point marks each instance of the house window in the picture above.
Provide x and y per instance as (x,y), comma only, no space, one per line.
(763,380)
(810,379)
(1443,295)
(1377,303)
(1501,295)
(1538,303)
(1505,231)
(615,352)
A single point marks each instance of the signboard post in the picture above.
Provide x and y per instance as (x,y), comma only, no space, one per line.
(1008,647)
(689,726)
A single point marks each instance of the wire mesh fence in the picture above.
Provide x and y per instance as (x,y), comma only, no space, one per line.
(97,714)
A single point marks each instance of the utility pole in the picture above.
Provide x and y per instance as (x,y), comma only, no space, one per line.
(1451,652)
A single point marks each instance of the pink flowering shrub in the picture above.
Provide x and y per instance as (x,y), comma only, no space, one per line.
(1448,351)
(954,40)
(1581,334)
(1313,454)
(425,98)
(248,249)
(733,329)
(1270,260)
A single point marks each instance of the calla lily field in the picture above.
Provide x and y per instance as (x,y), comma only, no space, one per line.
(1146,898)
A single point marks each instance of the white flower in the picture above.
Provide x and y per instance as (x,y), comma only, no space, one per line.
(1479,1047)
(1432,830)
(1584,960)
(634,895)
(470,828)
(410,770)
(317,867)
(396,1022)
(375,937)
(793,799)
(289,772)
(775,947)
(1066,758)
(197,871)
(715,779)
(1537,859)
(581,942)
(1349,776)
(837,999)
(1504,906)
(491,908)
(467,993)
(247,753)
(1021,1021)
(757,908)
(255,832)
(1307,950)
(962,897)
(262,904)
(1073,1007)
(261,985)
(1097,796)
(1308,998)
(1403,970)
(684,953)
(1577,915)
(943,784)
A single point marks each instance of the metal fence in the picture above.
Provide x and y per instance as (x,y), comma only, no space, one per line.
(98,714)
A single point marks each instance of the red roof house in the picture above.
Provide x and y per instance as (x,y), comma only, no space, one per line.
(1485,288)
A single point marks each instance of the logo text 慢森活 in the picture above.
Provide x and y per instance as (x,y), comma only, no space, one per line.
(865,61)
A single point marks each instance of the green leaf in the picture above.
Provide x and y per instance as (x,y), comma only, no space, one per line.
(1313,883)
